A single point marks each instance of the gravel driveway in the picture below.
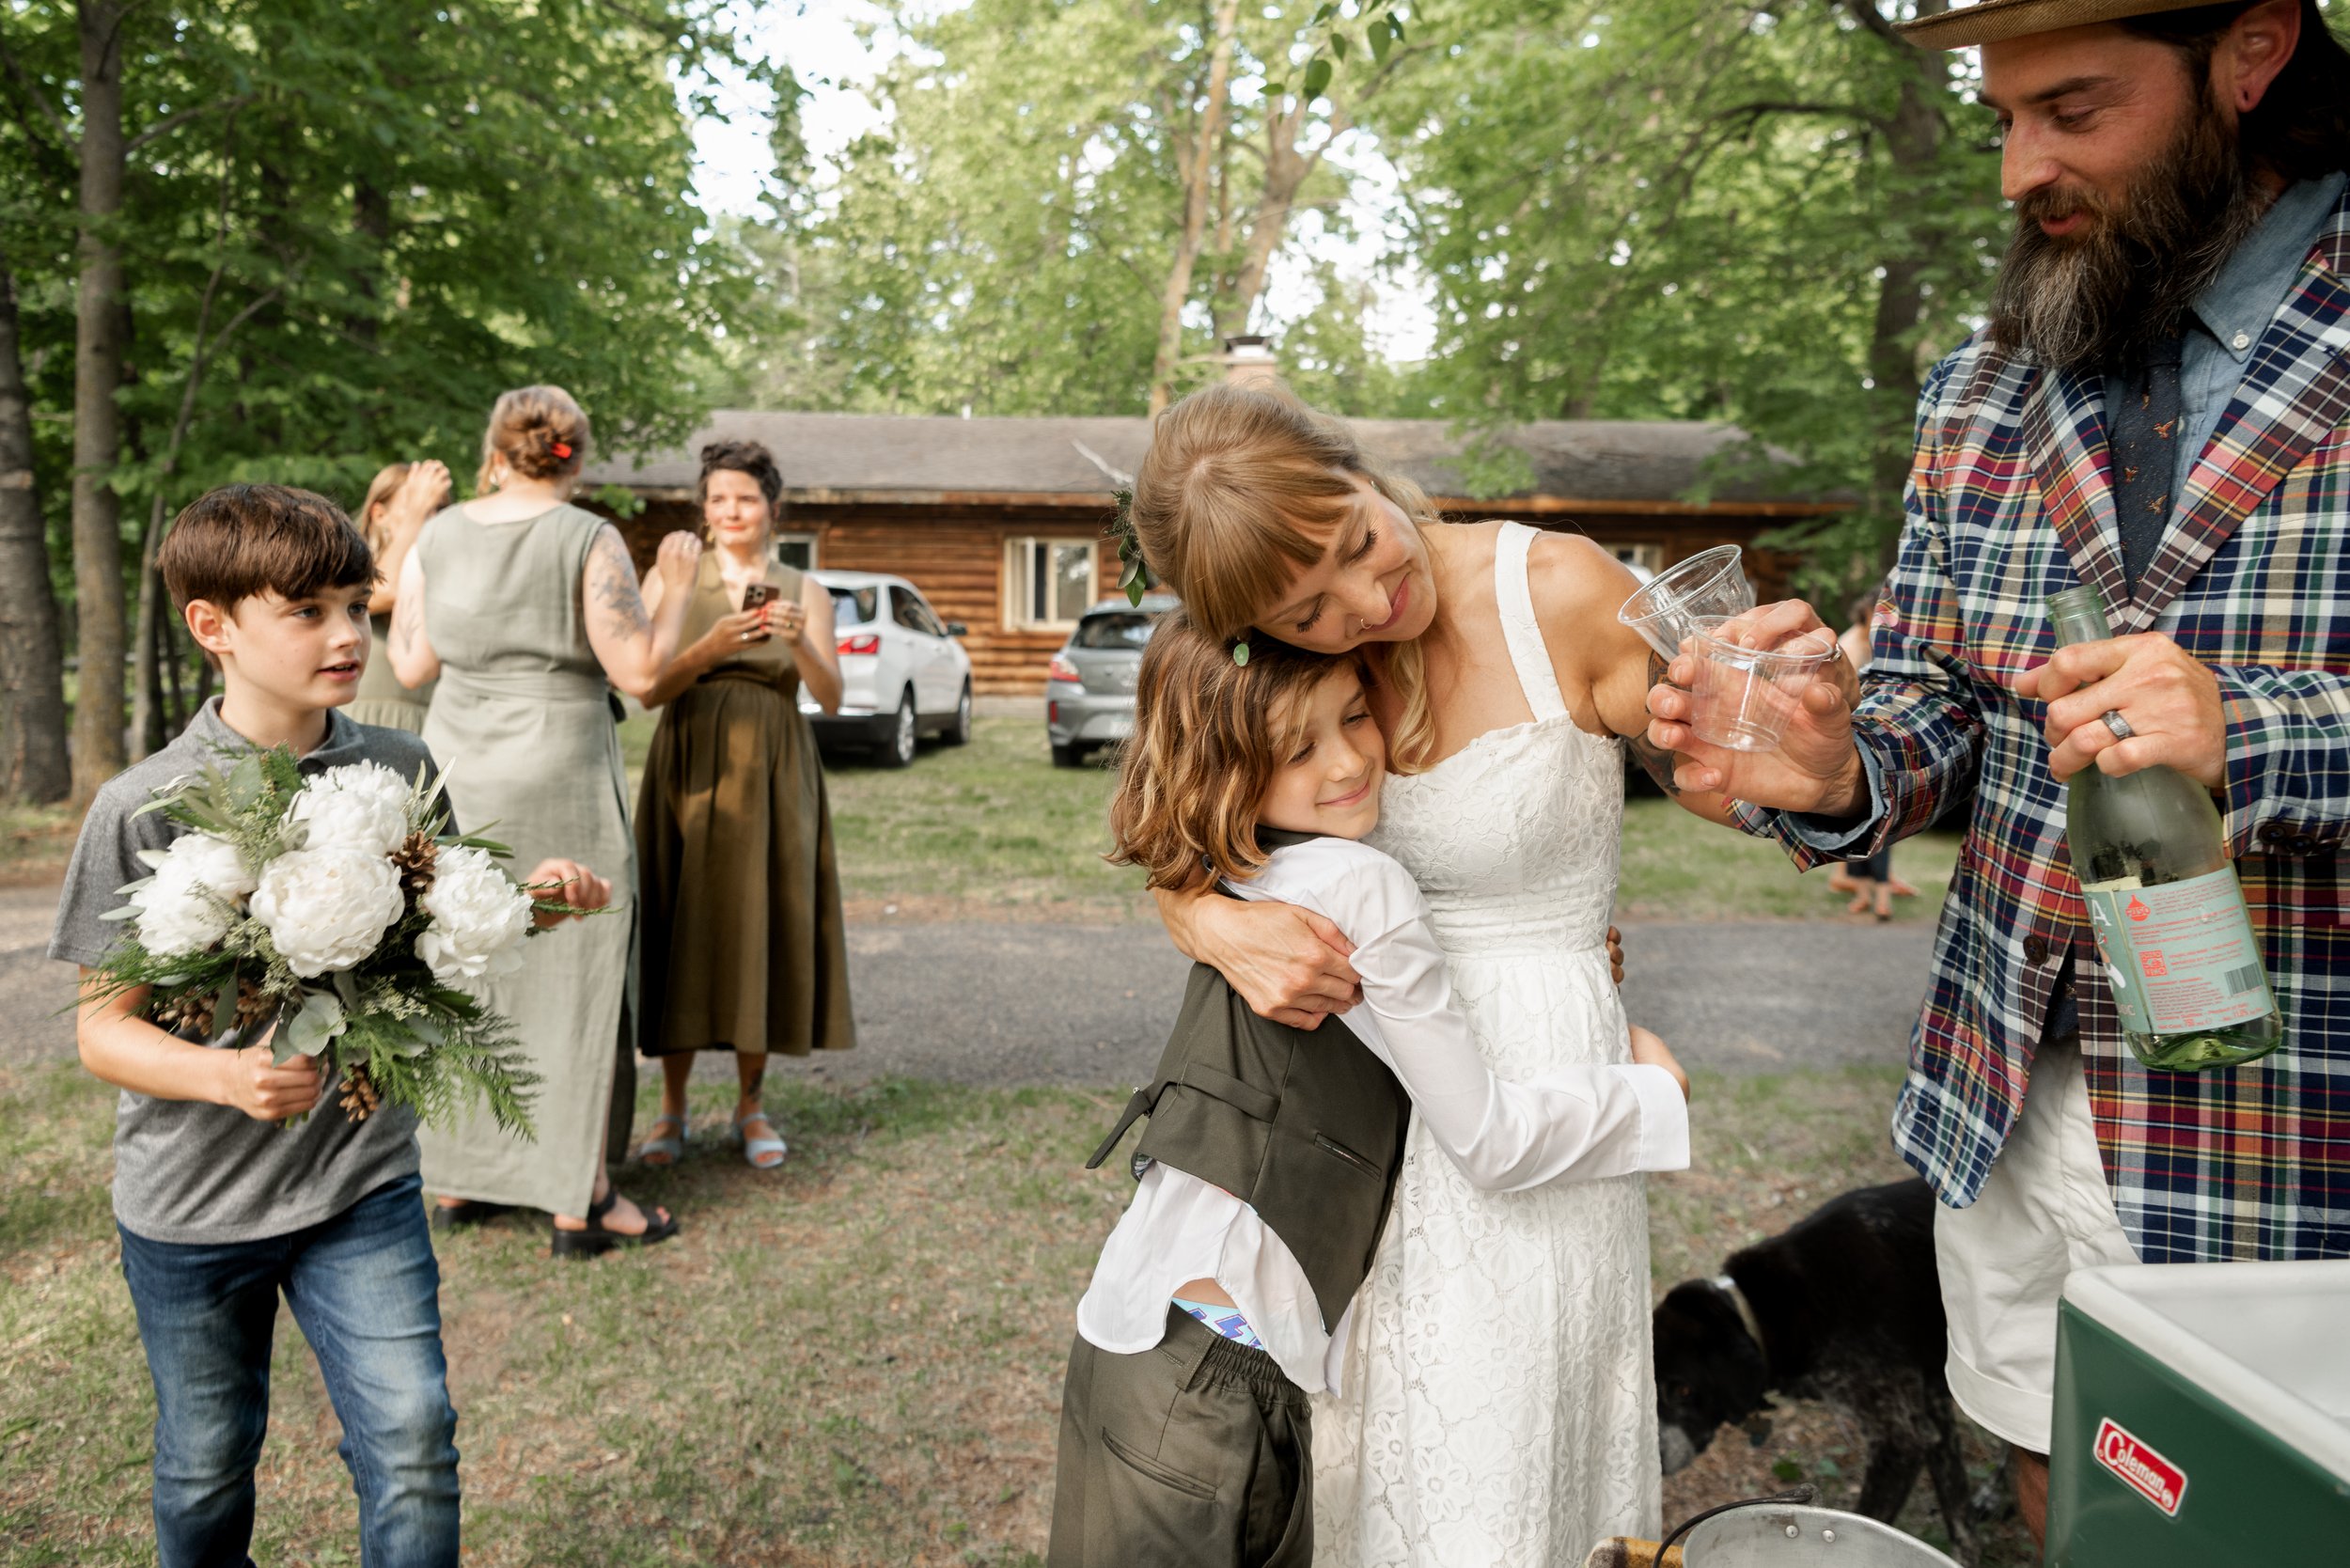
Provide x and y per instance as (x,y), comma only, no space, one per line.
(1007,1003)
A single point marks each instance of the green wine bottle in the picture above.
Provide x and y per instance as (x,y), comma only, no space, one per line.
(2180,955)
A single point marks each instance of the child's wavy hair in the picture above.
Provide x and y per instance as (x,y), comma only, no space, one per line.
(1208,735)
(1242,488)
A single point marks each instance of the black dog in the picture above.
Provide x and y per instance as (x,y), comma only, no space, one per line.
(1846,1309)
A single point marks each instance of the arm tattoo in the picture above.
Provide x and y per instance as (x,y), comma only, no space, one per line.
(1654,759)
(611,581)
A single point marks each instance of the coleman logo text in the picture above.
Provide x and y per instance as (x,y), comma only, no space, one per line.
(2141,1469)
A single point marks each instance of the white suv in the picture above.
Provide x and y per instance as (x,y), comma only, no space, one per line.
(902,674)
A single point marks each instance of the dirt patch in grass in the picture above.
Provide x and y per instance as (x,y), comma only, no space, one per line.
(855,1360)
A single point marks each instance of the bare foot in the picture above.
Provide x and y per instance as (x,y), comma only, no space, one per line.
(624,1218)
(754,1127)
(1859,904)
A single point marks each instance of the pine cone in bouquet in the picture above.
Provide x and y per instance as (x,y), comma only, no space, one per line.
(415,860)
(360,1095)
(190,1014)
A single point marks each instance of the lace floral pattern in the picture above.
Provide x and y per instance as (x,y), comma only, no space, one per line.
(1500,1407)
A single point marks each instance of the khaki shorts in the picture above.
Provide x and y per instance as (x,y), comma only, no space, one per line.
(1195,1453)
(2045,1212)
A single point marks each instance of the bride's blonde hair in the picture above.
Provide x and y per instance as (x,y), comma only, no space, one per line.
(1244,486)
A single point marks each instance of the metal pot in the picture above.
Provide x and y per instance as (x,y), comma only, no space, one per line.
(1776,1534)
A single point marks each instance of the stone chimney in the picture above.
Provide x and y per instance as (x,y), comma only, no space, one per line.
(1248,361)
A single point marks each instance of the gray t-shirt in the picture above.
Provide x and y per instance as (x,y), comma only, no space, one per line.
(185,1170)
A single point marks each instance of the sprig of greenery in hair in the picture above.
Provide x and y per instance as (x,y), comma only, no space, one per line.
(1134,572)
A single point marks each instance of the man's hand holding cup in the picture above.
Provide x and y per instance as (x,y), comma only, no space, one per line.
(1815,767)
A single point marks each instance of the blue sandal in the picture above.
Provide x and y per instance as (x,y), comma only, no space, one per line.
(755,1149)
(668,1149)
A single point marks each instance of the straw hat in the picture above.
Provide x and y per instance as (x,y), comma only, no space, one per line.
(1990,20)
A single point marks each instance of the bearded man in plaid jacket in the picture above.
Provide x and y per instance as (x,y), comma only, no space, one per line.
(2160,408)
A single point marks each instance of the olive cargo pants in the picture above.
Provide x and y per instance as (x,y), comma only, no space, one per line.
(1195,1453)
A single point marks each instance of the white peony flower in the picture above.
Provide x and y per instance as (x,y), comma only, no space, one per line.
(199,884)
(327,908)
(363,806)
(480,919)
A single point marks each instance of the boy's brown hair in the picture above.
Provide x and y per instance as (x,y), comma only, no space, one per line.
(1208,735)
(243,540)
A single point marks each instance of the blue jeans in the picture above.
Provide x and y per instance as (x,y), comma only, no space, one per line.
(365,1289)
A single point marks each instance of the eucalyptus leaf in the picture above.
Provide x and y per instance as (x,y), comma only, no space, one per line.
(310,1028)
(223,1006)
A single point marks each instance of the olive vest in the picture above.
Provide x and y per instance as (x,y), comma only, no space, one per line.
(1305,1126)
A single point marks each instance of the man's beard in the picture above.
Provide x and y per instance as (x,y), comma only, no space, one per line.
(2098,302)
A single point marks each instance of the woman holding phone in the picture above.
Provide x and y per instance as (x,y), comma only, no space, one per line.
(744,949)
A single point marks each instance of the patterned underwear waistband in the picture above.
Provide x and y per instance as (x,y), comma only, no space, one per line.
(1226,1321)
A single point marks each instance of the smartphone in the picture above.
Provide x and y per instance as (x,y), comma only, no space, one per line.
(755,595)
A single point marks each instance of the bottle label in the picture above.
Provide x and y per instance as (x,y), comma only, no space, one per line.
(2180,956)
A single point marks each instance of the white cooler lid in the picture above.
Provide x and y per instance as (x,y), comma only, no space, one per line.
(2271,1340)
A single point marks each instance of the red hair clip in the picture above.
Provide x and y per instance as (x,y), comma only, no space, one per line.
(562,450)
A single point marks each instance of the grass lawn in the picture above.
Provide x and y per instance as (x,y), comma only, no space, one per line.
(856,1362)
(35,841)
(993,830)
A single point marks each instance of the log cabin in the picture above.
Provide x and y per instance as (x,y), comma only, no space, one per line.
(1001,522)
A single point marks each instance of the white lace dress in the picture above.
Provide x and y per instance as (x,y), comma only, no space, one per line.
(1500,1404)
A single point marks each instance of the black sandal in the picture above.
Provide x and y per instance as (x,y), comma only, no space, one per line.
(594,1240)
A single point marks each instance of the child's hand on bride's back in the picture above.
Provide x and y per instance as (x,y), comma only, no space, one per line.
(1648,1050)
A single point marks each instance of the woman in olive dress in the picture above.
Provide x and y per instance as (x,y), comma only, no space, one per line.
(528,609)
(742,942)
(400,500)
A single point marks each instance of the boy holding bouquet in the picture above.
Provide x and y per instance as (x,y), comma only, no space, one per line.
(221,1206)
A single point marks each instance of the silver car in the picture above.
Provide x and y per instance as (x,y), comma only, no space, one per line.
(1089,685)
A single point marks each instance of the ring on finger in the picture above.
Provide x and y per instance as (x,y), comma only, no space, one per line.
(2115,722)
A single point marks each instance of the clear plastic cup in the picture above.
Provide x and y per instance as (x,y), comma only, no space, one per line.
(1688,596)
(1745,697)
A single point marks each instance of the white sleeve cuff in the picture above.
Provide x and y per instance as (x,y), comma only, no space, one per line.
(1663,1118)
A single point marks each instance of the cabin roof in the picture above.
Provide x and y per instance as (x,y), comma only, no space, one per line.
(1649,464)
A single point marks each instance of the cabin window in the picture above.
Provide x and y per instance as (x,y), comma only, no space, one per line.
(797,551)
(1048,582)
(1646,561)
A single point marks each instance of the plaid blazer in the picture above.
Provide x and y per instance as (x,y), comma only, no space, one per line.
(2010,500)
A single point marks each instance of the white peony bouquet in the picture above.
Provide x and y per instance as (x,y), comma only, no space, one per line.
(338,906)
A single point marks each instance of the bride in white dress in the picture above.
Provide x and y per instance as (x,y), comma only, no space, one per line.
(1499,1407)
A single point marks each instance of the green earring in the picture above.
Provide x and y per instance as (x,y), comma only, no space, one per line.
(1240,652)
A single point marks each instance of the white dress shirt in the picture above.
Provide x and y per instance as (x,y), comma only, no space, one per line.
(1577,1123)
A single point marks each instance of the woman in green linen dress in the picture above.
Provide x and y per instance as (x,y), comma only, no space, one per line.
(528,609)
(400,500)
(743,948)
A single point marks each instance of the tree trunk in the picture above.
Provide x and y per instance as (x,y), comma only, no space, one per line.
(1197,173)
(1286,171)
(98,750)
(1913,141)
(34,763)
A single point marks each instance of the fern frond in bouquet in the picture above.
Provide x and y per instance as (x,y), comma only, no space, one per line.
(342,907)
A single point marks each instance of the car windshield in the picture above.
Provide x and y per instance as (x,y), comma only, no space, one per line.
(853,606)
(1127,629)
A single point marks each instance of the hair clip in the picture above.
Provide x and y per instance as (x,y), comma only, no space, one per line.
(562,450)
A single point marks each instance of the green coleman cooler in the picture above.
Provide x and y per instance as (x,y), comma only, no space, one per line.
(2202,1417)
